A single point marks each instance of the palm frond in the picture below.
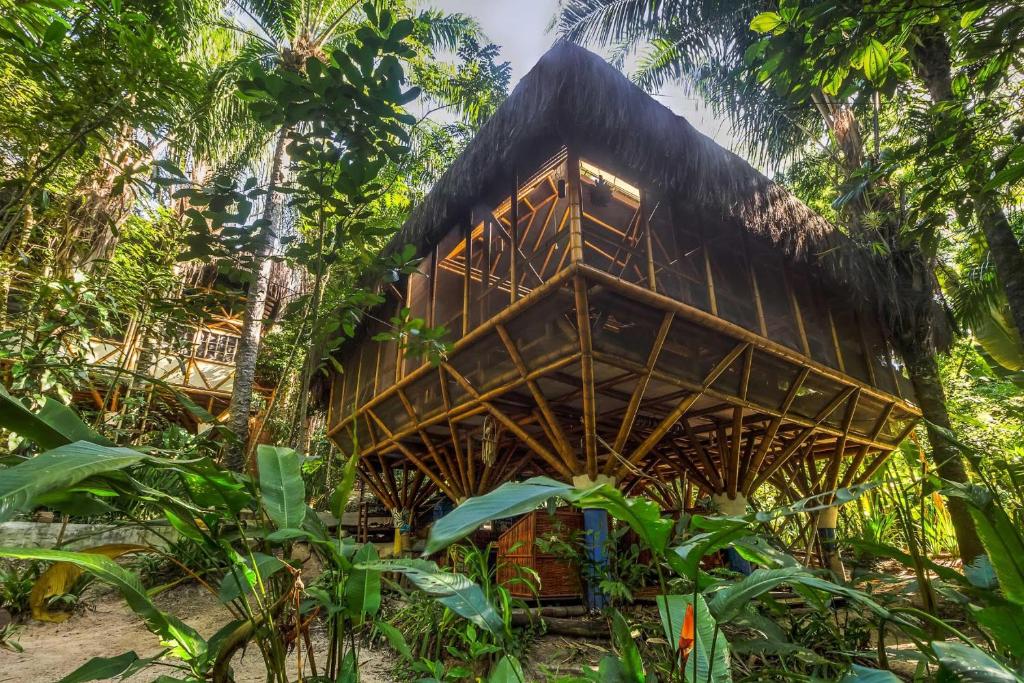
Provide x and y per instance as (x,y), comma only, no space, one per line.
(439,30)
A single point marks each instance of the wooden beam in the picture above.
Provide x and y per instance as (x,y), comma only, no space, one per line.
(415,460)
(559,439)
(641,384)
(704,319)
(587,376)
(441,463)
(832,478)
(511,424)
(670,420)
(754,466)
(800,438)
(710,471)
(554,283)
(862,452)
(733,471)
(514,239)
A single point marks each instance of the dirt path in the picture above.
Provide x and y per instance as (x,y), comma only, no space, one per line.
(108,628)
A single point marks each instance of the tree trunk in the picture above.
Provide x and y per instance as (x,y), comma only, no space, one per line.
(300,428)
(252,321)
(916,349)
(9,260)
(934,66)
(924,375)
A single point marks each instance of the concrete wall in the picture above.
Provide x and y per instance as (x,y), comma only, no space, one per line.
(78,536)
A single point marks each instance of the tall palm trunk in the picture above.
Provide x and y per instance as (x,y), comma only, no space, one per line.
(252,321)
(300,427)
(910,267)
(934,67)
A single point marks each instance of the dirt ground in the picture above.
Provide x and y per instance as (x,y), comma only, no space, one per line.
(108,628)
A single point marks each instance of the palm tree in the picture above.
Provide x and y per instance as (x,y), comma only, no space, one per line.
(286,34)
(705,45)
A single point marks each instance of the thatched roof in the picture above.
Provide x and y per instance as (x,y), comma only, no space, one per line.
(573,97)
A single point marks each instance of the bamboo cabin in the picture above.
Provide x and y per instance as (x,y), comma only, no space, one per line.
(626,301)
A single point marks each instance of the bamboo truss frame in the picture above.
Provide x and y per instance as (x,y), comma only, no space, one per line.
(582,408)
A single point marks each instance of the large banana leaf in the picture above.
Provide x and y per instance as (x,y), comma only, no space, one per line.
(54,425)
(507,670)
(454,591)
(642,515)
(508,500)
(243,576)
(862,674)
(362,588)
(60,577)
(339,498)
(106,668)
(733,599)
(701,666)
(284,492)
(168,627)
(999,337)
(972,665)
(1002,540)
(56,469)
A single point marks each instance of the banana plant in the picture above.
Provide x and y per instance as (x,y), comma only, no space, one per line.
(245,527)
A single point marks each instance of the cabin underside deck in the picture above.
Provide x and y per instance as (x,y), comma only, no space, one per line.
(640,387)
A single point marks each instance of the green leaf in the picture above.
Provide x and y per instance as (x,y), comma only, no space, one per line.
(698,546)
(1002,540)
(507,670)
(875,61)
(629,654)
(766,22)
(101,668)
(731,600)
(454,591)
(970,664)
(284,492)
(166,626)
(970,16)
(243,577)
(642,515)
(341,494)
(1009,175)
(54,425)
(699,667)
(863,674)
(508,500)
(395,639)
(57,469)
(1005,625)
(362,588)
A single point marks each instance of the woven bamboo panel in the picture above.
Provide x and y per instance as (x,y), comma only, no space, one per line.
(559,579)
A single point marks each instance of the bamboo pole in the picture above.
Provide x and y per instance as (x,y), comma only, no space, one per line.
(558,437)
(587,375)
(641,385)
(670,420)
(806,432)
(511,424)
(754,467)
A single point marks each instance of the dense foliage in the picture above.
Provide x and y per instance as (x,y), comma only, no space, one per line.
(168,166)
